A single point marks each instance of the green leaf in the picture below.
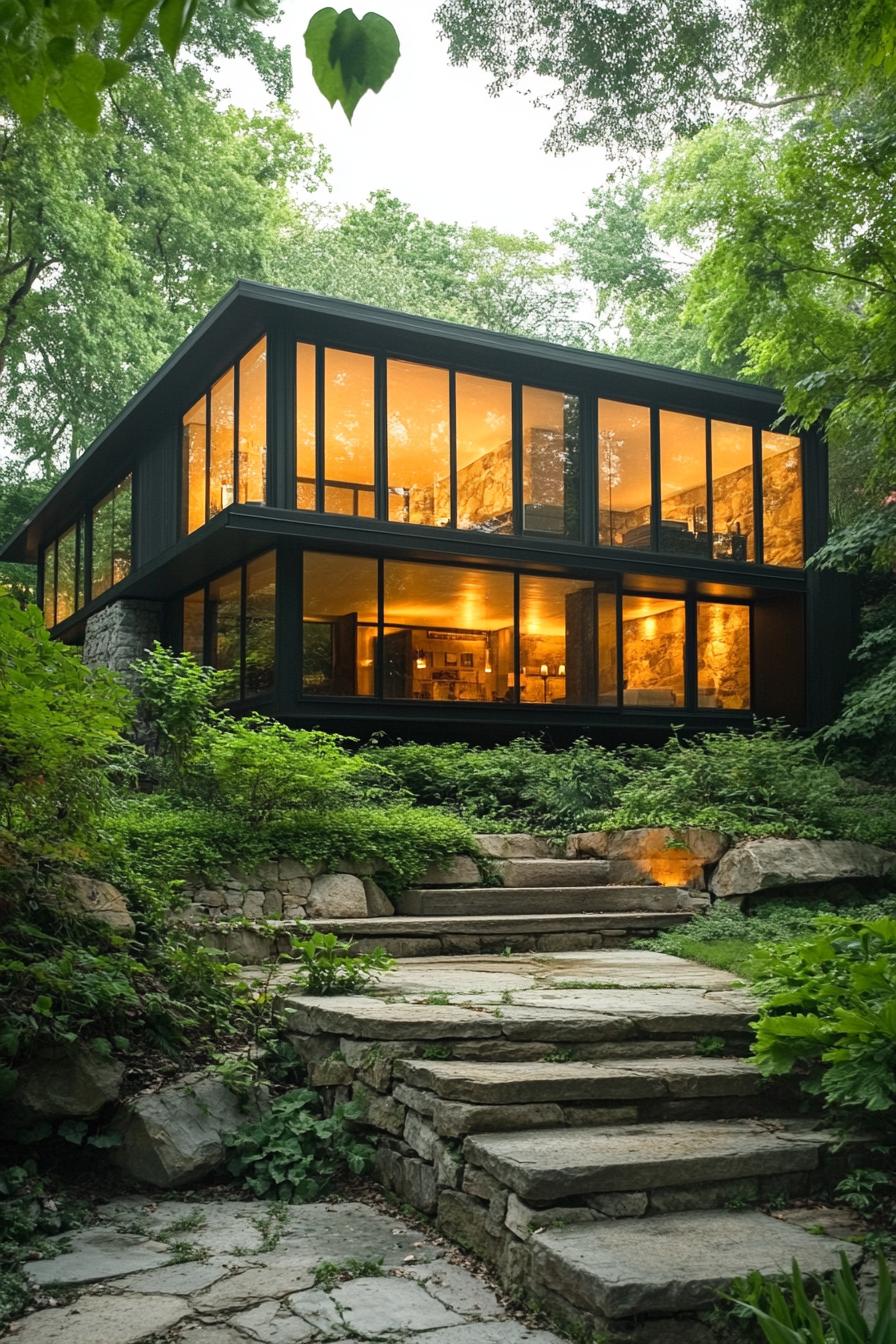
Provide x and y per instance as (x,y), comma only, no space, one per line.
(73,1131)
(61,51)
(43,1005)
(133,17)
(105,1140)
(27,99)
(175,17)
(114,70)
(350,56)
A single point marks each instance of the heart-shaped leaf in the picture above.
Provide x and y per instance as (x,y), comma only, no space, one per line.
(350,56)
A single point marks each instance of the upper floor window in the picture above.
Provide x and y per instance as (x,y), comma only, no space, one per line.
(624,498)
(110,539)
(782,500)
(224,441)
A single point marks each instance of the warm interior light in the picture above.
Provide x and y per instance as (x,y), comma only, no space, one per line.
(649,627)
(420,660)
(561,670)
(544,669)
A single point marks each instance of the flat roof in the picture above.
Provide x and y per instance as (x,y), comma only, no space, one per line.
(243,314)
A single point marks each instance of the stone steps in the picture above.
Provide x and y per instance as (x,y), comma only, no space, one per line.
(554,1166)
(574,899)
(429,935)
(652,1270)
(545,873)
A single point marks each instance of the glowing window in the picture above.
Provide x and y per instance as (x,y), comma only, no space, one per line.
(782,500)
(418,428)
(624,510)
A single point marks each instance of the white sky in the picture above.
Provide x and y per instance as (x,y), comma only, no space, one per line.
(433,136)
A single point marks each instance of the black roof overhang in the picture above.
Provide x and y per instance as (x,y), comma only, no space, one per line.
(249,308)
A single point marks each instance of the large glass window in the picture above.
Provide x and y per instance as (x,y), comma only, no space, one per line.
(448,633)
(67,576)
(782,500)
(683,518)
(624,509)
(557,641)
(306,426)
(193,625)
(49,587)
(261,595)
(194,449)
(224,441)
(418,427)
(607,645)
(723,655)
(484,453)
(348,433)
(224,610)
(732,491)
(550,462)
(252,439)
(221,460)
(111,539)
(339,631)
(653,639)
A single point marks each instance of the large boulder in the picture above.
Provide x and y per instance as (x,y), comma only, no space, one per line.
(337,896)
(178,1134)
(773,864)
(100,900)
(65,1080)
(674,858)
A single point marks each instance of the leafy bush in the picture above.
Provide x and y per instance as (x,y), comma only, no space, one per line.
(788,1317)
(28,1215)
(176,697)
(293,1152)
(60,725)
(829,1014)
(326,965)
(522,785)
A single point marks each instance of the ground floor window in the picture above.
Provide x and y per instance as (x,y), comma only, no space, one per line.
(230,624)
(408,630)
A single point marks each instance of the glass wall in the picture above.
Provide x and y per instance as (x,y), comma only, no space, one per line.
(260,624)
(551,425)
(782,500)
(484,453)
(624,508)
(306,427)
(230,625)
(224,441)
(723,655)
(653,651)
(339,624)
(348,433)
(419,443)
(448,632)
(683,516)
(111,539)
(68,596)
(732,491)
(557,641)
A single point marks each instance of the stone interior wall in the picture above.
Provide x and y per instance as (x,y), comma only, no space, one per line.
(484,490)
(723,657)
(120,634)
(782,527)
(656,663)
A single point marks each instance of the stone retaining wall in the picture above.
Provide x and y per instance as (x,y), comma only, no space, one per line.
(287,889)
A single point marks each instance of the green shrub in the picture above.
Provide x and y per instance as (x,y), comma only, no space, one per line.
(829,1014)
(786,1316)
(293,1152)
(326,965)
(29,1214)
(522,785)
(176,698)
(60,725)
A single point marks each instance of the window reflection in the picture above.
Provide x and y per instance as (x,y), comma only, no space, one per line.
(484,454)
(110,560)
(261,593)
(557,641)
(782,500)
(419,449)
(550,462)
(348,433)
(723,655)
(306,427)
(624,510)
(193,625)
(67,574)
(339,624)
(448,633)
(653,637)
(732,491)
(49,589)
(194,458)
(224,600)
(683,516)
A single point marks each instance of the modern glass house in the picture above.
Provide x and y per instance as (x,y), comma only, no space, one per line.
(367,519)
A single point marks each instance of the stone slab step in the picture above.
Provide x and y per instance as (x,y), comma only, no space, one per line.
(570,873)
(672,1263)
(433,926)
(500,1084)
(549,1165)
(541,900)
(580,1015)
